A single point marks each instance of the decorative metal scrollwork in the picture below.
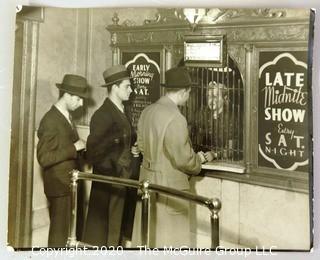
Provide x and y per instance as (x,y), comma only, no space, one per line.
(219,15)
(115,19)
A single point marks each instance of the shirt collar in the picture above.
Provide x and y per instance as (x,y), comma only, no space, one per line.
(63,111)
(121,108)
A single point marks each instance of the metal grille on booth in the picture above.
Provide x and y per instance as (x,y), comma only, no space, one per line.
(214,111)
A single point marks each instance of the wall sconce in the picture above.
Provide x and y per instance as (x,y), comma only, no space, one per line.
(194,15)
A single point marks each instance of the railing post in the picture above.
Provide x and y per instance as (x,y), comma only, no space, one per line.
(72,238)
(214,206)
(145,213)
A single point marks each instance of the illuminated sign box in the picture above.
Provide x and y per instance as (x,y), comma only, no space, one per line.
(204,50)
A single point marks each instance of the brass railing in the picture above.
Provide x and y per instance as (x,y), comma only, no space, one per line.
(214,205)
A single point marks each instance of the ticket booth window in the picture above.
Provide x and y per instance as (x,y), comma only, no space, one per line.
(214,111)
(224,57)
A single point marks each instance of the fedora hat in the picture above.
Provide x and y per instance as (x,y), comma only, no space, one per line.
(75,85)
(114,74)
(178,78)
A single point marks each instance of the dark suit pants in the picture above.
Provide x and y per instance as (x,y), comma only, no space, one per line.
(59,212)
(103,226)
(130,201)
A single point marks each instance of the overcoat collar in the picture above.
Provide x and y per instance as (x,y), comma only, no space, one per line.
(164,100)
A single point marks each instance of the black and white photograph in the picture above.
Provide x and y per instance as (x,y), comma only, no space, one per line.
(160,127)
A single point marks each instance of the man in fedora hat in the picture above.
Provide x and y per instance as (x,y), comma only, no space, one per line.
(58,151)
(108,149)
(168,160)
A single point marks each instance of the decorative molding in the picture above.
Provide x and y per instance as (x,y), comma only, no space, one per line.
(235,34)
(169,48)
(115,19)
(174,18)
(31,13)
(23,124)
(167,16)
(178,50)
(145,37)
(272,33)
(177,55)
(155,21)
(216,15)
(237,53)
(114,38)
(114,49)
(248,47)
(180,36)
(128,23)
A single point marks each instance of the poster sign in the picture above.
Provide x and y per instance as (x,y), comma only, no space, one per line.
(144,70)
(283,110)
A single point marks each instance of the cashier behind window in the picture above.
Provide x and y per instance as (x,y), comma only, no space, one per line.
(212,122)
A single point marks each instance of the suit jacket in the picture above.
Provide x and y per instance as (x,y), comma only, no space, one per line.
(56,152)
(110,140)
(163,138)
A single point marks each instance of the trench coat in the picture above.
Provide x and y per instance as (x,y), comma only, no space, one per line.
(168,160)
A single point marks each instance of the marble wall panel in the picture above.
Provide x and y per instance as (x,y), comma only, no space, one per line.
(271,217)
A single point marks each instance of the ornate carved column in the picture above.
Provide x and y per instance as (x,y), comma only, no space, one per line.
(115,56)
(168,56)
(114,41)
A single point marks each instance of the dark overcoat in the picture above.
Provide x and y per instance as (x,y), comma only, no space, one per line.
(109,141)
(108,149)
